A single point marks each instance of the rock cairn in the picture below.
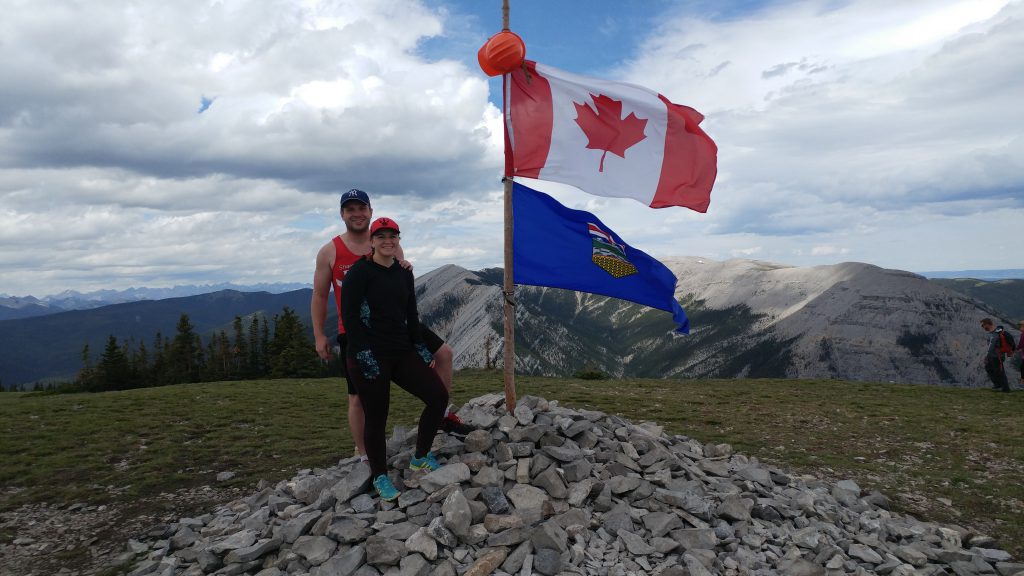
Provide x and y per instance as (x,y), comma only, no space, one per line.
(555,491)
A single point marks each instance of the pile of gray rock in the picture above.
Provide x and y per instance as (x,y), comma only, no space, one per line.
(551,490)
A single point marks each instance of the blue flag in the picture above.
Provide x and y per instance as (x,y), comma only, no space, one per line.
(559,247)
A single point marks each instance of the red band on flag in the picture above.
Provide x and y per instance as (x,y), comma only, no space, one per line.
(690,165)
(530,105)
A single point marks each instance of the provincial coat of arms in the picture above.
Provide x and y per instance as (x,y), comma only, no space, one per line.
(609,255)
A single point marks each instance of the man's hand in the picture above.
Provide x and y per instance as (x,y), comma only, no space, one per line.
(405,264)
(323,347)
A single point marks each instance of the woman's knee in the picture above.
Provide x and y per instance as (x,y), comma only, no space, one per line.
(440,395)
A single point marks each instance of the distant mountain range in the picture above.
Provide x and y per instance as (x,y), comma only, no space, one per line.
(49,347)
(1007,274)
(12,307)
(749,319)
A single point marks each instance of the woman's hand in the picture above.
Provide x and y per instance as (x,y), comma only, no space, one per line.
(368,362)
(425,355)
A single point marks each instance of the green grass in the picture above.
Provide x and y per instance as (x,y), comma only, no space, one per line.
(910,442)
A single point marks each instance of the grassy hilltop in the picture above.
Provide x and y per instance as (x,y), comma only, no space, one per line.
(943,454)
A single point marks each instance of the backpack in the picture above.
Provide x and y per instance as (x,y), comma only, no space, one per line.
(1006,344)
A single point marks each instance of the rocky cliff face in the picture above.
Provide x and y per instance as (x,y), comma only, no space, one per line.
(852,321)
(748,318)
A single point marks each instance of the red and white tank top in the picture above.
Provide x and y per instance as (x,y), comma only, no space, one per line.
(343,260)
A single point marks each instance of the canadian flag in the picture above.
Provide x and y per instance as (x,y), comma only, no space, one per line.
(606,138)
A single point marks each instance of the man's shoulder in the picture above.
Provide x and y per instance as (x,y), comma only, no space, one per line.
(346,253)
(325,255)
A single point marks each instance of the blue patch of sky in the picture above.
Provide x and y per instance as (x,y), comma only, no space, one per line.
(204,104)
(588,38)
(577,36)
(585,38)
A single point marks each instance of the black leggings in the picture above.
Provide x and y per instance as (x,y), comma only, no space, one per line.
(412,375)
(994,368)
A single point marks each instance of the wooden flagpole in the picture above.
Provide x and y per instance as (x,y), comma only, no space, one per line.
(508,289)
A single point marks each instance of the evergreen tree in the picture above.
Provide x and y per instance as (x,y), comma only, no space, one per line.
(240,351)
(185,360)
(159,372)
(202,359)
(291,355)
(87,375)
(128,348)
(112,372)
(254,347)
(264,346)
(223,355)
(140,366)
(168,375)
(211,372)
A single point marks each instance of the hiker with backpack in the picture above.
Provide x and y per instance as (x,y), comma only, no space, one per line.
(1007,349)
(998,342)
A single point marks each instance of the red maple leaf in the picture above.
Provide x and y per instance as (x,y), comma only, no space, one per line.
(606,129)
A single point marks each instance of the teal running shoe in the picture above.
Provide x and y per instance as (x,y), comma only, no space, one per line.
(385,489)
(428,462)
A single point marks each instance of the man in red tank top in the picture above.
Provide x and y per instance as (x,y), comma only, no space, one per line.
(332,263)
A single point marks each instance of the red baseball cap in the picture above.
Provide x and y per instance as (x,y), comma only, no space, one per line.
(384,224)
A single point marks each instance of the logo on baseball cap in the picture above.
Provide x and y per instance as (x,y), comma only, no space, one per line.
(357,195)
(384,224)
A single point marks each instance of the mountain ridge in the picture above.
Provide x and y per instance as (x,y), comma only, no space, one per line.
(749,318)
(12,307)
(29,305)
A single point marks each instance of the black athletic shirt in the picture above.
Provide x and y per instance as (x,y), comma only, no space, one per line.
(378,307)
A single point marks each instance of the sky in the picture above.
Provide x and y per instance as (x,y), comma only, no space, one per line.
(151,143)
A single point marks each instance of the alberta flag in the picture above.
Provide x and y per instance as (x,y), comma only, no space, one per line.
(606,138)
(564,248)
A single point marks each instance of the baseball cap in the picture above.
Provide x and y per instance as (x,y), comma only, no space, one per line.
(357,195)
(384,224)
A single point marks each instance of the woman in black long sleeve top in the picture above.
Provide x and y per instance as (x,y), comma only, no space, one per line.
(378,306)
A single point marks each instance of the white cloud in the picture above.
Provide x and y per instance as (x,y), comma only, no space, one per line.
(315,94)
(837,123)
(828,250)
(147,143)
(106,159)
(751,252)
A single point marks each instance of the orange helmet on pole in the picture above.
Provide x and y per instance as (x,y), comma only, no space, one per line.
(502,53)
